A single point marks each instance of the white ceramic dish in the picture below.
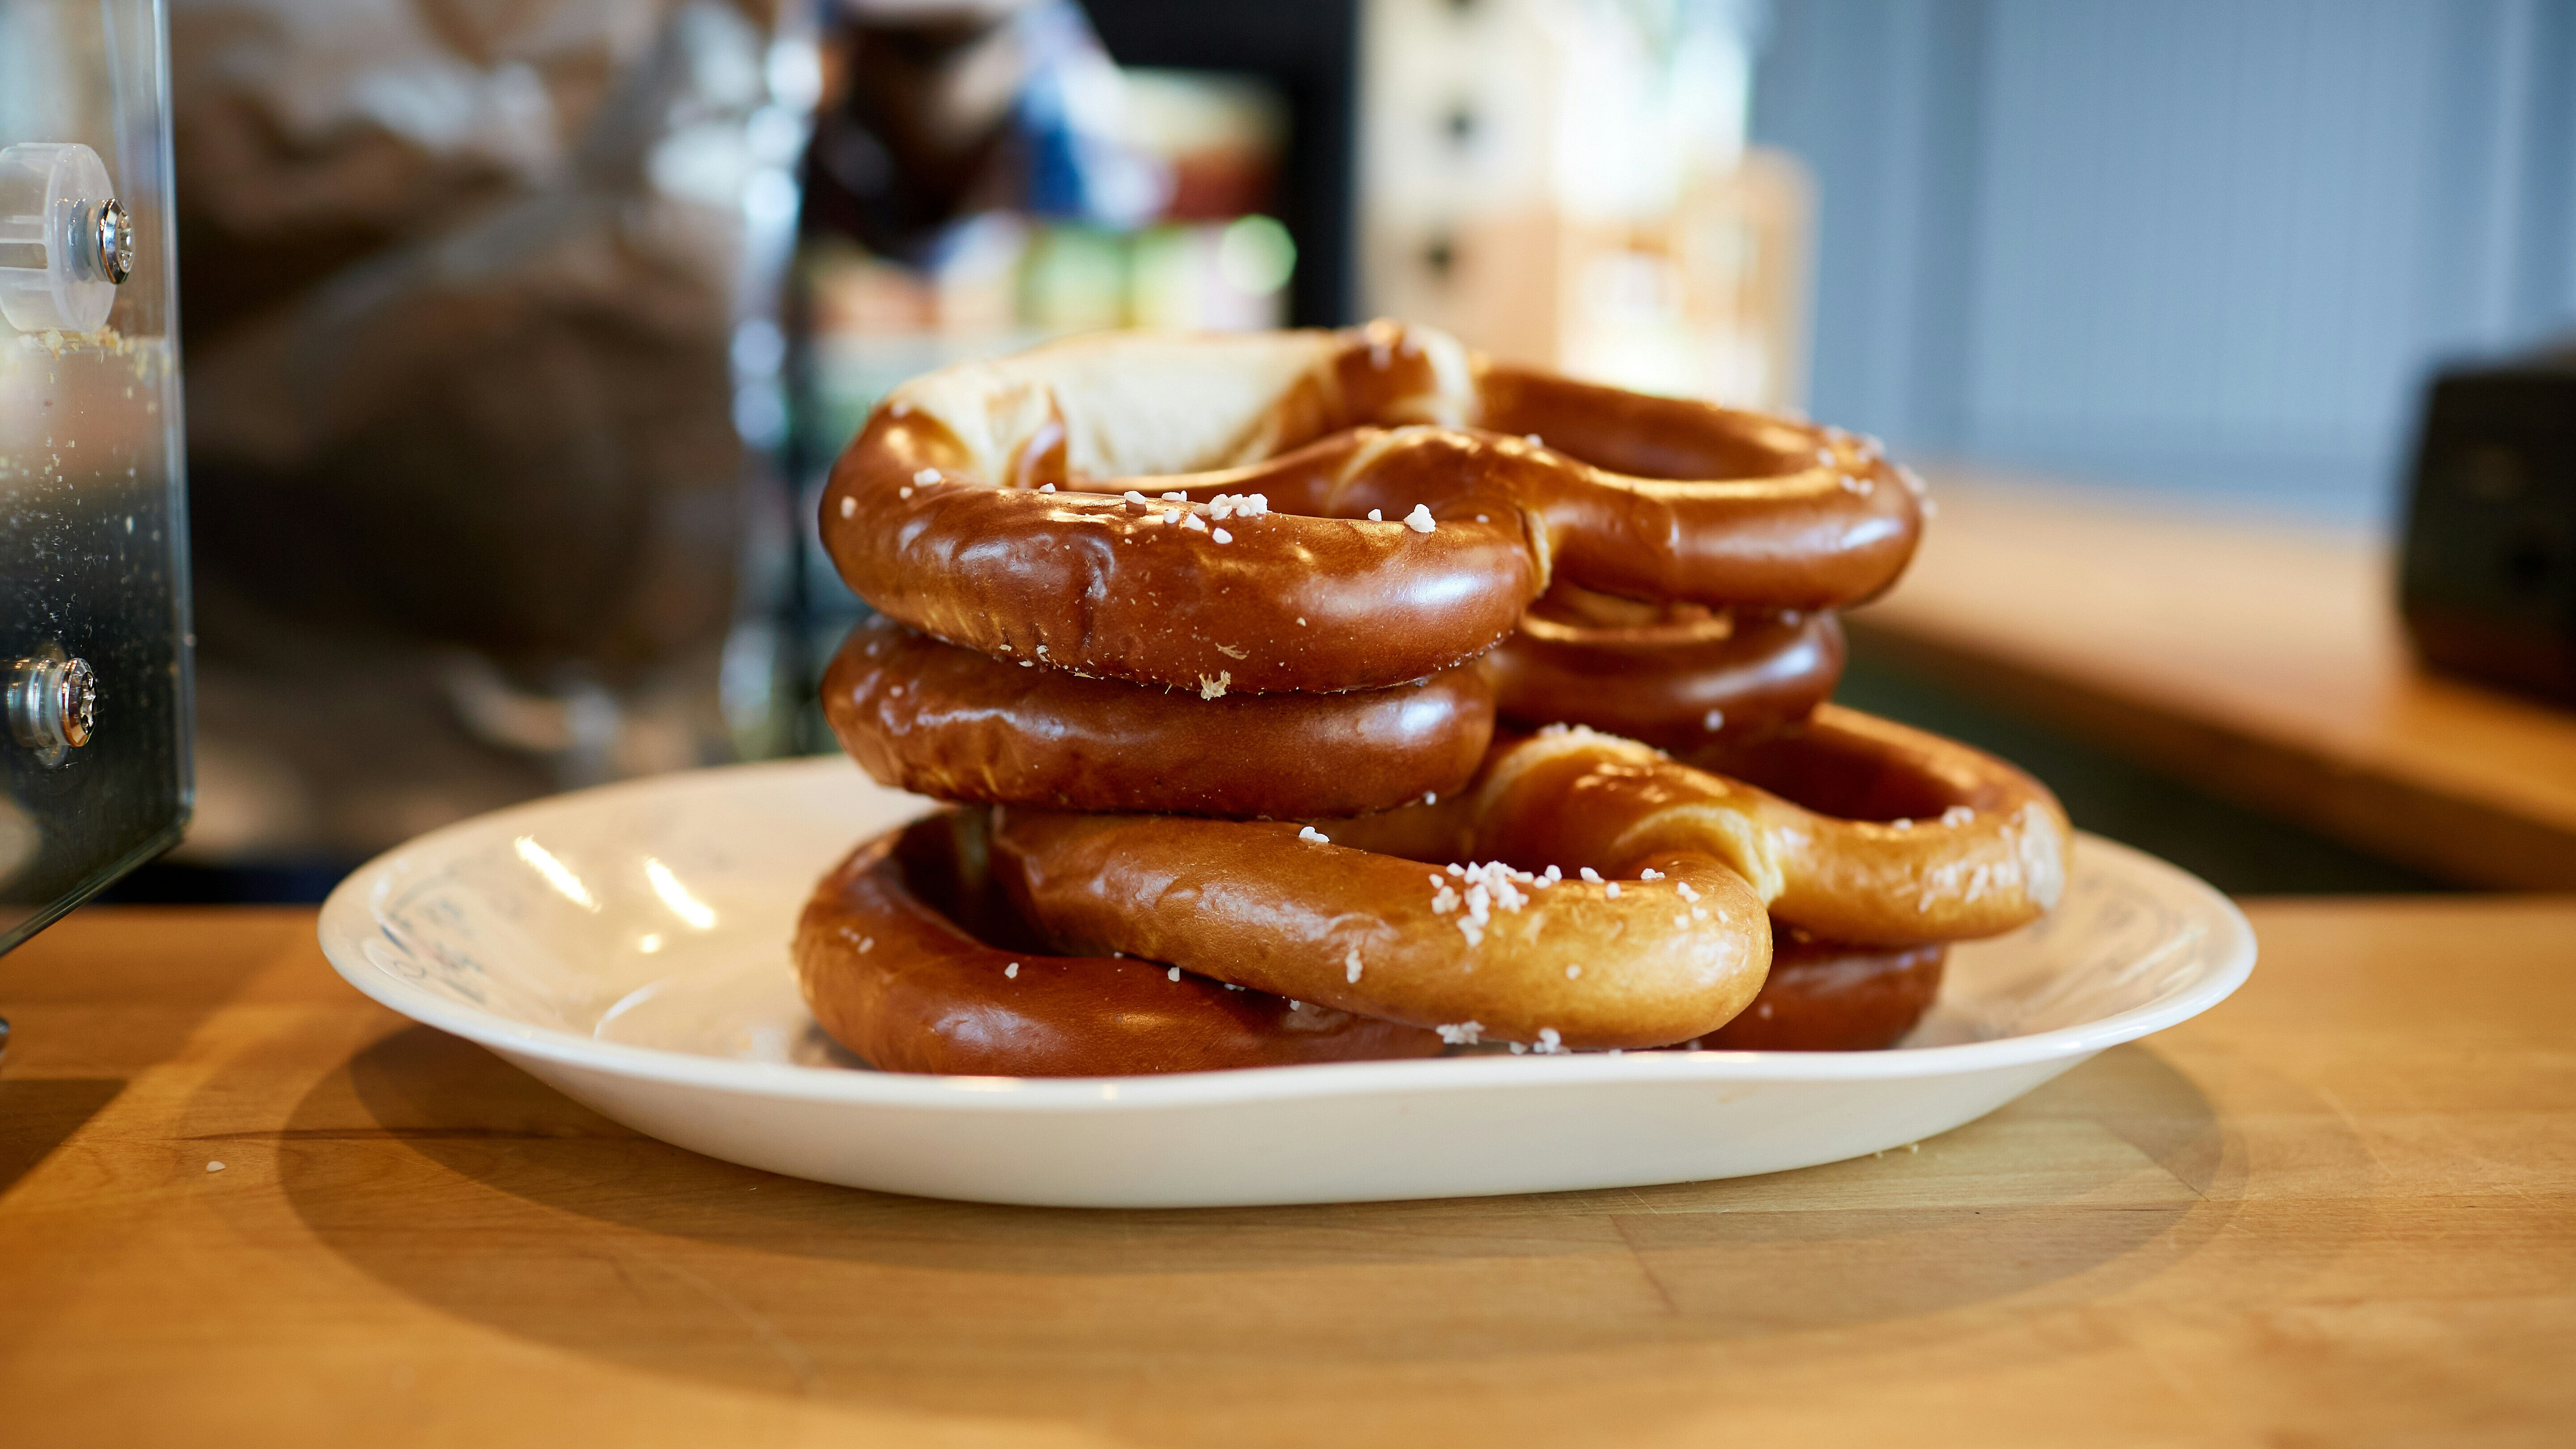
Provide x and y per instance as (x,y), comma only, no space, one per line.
(628,945)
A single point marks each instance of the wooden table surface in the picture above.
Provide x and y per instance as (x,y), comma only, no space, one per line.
(2340,1209)
(2260,660)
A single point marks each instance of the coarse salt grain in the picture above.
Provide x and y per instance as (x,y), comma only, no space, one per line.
(1046,488)
(1464,1033)
(1688,894)
(1715,720)
(1958,815)
(1573,971)
(1309,832)
(1351,965)
(867,944)
(1192,520)
(1173,975)
(1220,535)
(926,475)
(1376,517)
(1549,1043)
(904,492)
(1650,873)
(1534,440)
(1589,874)
(1612,890)
(214,1167)
(1172,515)
(1012,971)
(1132,496)
(1430,797)
(1176,497)
(1420,519)
(849,506)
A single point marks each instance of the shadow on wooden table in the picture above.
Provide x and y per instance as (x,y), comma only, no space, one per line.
(453,1177)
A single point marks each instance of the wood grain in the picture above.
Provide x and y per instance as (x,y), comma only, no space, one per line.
(2257,660)
(2336,1210)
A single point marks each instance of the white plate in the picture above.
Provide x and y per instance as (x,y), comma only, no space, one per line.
(628,945)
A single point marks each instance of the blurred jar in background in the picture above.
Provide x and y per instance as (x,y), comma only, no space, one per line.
(478,319)
(1566,183)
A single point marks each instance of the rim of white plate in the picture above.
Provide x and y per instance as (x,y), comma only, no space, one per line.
(348,918)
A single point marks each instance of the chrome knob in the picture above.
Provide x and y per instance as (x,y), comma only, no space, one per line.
(109,244)
(52,706)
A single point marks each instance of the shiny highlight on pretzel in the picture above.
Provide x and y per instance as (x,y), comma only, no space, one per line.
(938,720)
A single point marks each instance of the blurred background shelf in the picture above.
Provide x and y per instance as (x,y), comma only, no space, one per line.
(2260,659)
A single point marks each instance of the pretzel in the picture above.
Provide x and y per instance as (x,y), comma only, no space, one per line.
(908,958)
(1889,835)
(938,720)
(1288,910)
(1829,996)
(1676,676)
(956,510)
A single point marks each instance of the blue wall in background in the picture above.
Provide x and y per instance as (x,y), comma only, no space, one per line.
(2196,244)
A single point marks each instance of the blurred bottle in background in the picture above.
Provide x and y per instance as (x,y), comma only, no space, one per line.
(982,177)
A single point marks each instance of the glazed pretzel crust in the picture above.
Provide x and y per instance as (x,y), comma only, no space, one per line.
(1290,909)
(891,971)
(938,720)
(935,518)
(1676,677)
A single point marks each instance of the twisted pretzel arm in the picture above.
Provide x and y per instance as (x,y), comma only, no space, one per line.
(1888,835)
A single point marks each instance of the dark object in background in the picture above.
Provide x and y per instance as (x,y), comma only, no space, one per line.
(1310,52)
(2488,579)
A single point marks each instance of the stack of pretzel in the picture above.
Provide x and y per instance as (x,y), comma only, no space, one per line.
(1326,695)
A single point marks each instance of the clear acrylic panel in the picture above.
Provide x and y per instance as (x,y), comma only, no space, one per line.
(93,554)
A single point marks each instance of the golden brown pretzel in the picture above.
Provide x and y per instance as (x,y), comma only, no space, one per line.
(947,722)
(1277,908)
(1890,835)
(1855,828)
(1828,996)
(908,958)
(1675,676)
(1562,964)
(939,514)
